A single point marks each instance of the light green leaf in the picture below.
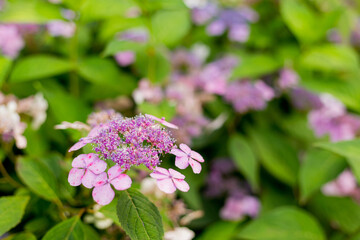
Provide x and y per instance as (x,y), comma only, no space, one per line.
(244,158)
(116,46)
(37,177)
(330,58)
(164,109)
(104,71)
(255,65)
(39,66)
(24,236)
(11,211)
(311,178)
(283,224)
(156,67)
(343,213)
(5,64)
(276,154)
(219,230)
(138,216)
(109,211)
(350,150)
(95,10)
(170,26)
(70,229)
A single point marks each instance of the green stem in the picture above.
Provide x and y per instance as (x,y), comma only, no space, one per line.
(8,178)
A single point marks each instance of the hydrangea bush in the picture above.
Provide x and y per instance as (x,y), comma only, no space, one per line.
(179,120)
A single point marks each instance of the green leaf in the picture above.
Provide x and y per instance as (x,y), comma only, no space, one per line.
(138,216)
(109,211)
(348,149)
(276,154)
(341,212)
(244,158)
(5,64)
(29,11)
(37,177)
(283,224)
(169,27)
(116,46)
(95,10)
(64,106)
(39,66)
(311,178)
(11,211)
(164,109)
(24,236)
(255,65)
(330,58)
(219,230)
(104,71)
(70,229)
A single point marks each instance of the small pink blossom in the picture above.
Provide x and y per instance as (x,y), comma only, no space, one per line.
(89,138)
(125,58)
(85,169)
(61,28)
(170,180)
(344,185)
(186,156)
(162,121)
(235,208)
(103,194)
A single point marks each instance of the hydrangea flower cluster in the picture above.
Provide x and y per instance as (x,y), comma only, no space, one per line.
(246,96)
(59,28)
(128,142)
(236,21)
(11,109)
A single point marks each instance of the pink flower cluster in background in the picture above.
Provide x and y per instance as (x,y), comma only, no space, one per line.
(128,142)
(11,41)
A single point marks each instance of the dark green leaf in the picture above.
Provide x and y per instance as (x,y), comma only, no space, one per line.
(37,177)
(138,216)
(70,229)
(219,230)
(283,224)
(244,158)
(24,236)
(39,66)
(318,168)
(11,211)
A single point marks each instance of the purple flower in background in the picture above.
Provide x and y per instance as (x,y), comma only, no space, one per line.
(237,208)
(213,77)
(11,41)
(147,92)
(246,96)
(303,99)
(170,180)
(103,194)
(344,185)
(85,169)
(333,119)
(201,15)
(59,28)
(288,78)
(190,125)
(125,58)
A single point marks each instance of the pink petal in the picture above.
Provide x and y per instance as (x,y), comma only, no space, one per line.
(80,144)
(91,157)
(153,117)
(178,152)
(79,162)
(197,156)
(97,166)
(103,195)
(75,176)
(181,184)
(114,171)
(182,162)
(100,179)
(196,166)
(185,148)
(160,173)
(166,185)
(88,179)
(176,174)
(121,182)
(170,125)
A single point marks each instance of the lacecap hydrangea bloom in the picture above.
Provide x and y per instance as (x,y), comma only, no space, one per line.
(128,142)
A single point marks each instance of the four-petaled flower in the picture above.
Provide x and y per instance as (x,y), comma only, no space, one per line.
(103,194)
(162,121)
(186,156)
(85,169)
(169,180)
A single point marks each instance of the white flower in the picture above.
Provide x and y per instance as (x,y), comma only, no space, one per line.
(179,233)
